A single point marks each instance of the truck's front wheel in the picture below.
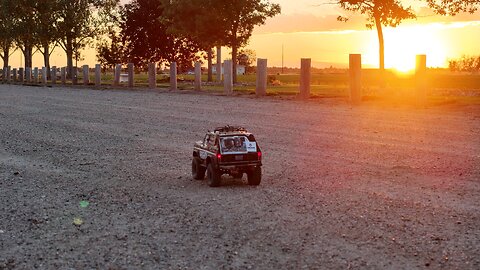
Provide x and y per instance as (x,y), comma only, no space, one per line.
(213,176)
(198,172)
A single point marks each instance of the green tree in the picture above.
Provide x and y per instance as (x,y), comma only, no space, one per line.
(247,57)
(24,12)
(379,13)
(7,30)
(194,19)
(46,33)
(78,23)
(453,7)
(239,19)
(111,52)
(145,33)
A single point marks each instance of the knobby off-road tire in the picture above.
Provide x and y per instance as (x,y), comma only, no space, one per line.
(213,177)
(198,172)
(255,176)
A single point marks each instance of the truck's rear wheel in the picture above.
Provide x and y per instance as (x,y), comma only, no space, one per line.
(213,176)
(198,172)
(255,176)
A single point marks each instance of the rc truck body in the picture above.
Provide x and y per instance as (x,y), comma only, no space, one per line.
(227,150)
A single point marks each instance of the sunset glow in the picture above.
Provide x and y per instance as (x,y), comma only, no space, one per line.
(309,29)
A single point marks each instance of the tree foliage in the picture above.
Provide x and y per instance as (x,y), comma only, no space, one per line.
(7,29)
(247,57)
(240,18)
(145,33)
(465,63)
(453,7)
(379,13)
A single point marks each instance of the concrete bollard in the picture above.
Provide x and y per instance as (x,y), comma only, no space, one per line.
(227,78)
(131,70)
(35,75)
(75,76)
(98,75)
(173,76)
(14,75)
(152,75)
(53,75)
(118,70)
(219,64)
(44,75)
(9,72)
(305,77)
(63,75)
(28,74)
(355,72)
(21,75)
(421,83)
(198,76)
(86,75)
(261,89)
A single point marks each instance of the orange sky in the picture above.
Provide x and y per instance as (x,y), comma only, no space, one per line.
(309,29)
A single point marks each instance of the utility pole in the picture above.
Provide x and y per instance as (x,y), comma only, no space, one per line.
(282,58)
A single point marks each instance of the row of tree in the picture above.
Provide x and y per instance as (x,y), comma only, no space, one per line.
(33,25)
(146,31)
(465,63)
(178,30)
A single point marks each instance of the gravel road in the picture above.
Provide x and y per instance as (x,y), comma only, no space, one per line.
(102,180)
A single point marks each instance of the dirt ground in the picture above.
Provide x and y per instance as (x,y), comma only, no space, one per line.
(343,187)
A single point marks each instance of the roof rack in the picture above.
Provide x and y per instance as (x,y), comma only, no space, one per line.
(229,128)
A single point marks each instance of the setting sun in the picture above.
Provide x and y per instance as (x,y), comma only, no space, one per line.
(402,44)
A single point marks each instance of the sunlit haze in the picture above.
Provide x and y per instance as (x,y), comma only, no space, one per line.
(309,29)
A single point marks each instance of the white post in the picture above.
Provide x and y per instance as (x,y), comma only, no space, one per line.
(53,75)
(44,75)
(14,75)
(152,75)
(421,84)
(173,76)
(228,78)
(305,77)
(219,64)
(355,71)
(118,70)
(9,74)
(130,75)
(198,76)
(75,76)
(98,75)
(63,74)
(28,74)
(261,89)
(21,75)
(86,75)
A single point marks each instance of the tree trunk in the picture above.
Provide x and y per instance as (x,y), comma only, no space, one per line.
(69,52)
(234,63)
(381,51)
(28,55)
(6,55)
(381,44)
(46,58)
(210,56)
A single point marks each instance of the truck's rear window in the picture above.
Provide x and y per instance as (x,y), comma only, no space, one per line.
(236,145)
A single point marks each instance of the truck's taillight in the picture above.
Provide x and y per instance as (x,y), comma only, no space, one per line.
(259,155)
(219,156)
